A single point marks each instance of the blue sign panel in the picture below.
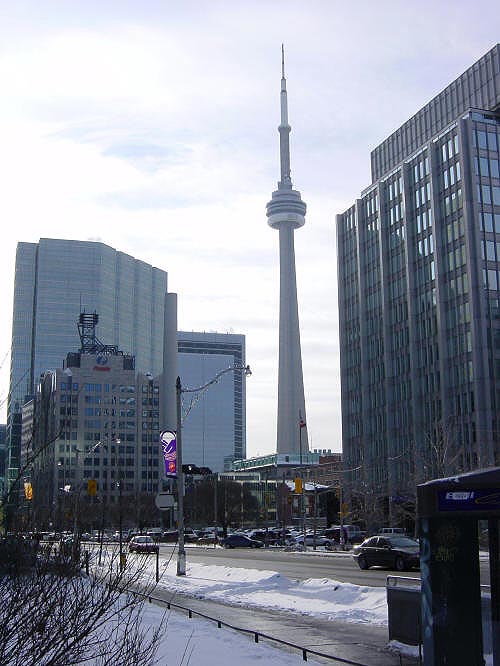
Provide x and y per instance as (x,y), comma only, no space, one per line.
(485,499)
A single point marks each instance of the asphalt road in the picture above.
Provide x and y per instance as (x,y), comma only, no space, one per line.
(293,565)
(299,565)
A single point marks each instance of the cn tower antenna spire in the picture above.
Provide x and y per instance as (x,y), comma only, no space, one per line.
(284,130)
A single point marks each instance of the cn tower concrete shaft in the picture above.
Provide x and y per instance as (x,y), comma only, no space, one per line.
(286,212)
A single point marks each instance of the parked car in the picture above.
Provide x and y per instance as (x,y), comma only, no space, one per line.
(391,551)
(241,541)
(208,539)
(318,540)
(270,536)
(190,536)
(392,530)
(142,544)
(352,533)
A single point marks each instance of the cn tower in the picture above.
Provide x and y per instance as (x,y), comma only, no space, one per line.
(286,212)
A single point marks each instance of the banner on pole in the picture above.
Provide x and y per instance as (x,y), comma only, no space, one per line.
(168,443)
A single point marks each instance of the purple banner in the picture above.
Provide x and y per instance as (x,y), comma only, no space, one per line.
(168,443)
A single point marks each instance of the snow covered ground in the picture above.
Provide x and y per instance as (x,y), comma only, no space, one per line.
(324,597)
(197,641)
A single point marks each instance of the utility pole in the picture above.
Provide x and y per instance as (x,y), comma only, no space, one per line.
(181,553)
(216,487)
(303,499)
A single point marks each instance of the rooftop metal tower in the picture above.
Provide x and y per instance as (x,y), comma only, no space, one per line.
(286,212)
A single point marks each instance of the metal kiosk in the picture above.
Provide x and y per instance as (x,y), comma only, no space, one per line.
(449,510)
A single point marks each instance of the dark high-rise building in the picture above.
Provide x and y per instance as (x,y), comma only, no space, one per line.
(3,451)
(419,298)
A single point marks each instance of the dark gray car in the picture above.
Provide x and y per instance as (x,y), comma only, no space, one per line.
(392,552)
(241,541)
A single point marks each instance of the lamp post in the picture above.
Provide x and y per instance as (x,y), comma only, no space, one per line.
(78,490)
(119,484)
(179,390)
(120,518)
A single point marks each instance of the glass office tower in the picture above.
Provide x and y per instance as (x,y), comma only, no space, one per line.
(419,298)
(55,280)
(214,428)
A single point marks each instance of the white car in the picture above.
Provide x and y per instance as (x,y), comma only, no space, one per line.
(318,540)
(142,544)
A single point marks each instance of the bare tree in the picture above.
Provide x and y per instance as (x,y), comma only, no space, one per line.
(10,497)
(441,455)
(51,615)
(231,501)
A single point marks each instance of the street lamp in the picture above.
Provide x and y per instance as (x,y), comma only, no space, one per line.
(119,484)
(78,490)
(179,390)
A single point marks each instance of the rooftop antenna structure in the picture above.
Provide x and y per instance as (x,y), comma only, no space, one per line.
(90,344)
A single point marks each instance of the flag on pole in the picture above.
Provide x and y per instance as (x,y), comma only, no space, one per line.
(168,443)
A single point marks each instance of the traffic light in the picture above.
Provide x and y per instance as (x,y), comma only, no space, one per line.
(344,510)
(194,469)
(298,486)
(92,487)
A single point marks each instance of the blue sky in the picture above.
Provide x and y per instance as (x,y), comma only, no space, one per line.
(152,126)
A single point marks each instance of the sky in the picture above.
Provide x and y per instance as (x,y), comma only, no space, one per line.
(152,126)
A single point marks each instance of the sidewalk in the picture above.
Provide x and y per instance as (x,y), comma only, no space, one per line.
(362,644)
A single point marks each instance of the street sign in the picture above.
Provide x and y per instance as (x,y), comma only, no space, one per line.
(164,501)
(482,499)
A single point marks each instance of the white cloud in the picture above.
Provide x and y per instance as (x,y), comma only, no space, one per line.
(154,128)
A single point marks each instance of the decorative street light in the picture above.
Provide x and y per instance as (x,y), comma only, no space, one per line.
(118,484)
(179,390)
(78,490)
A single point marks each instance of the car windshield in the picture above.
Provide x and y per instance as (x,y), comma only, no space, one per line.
(403,542)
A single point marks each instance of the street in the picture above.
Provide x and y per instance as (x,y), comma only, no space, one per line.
(297,565)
